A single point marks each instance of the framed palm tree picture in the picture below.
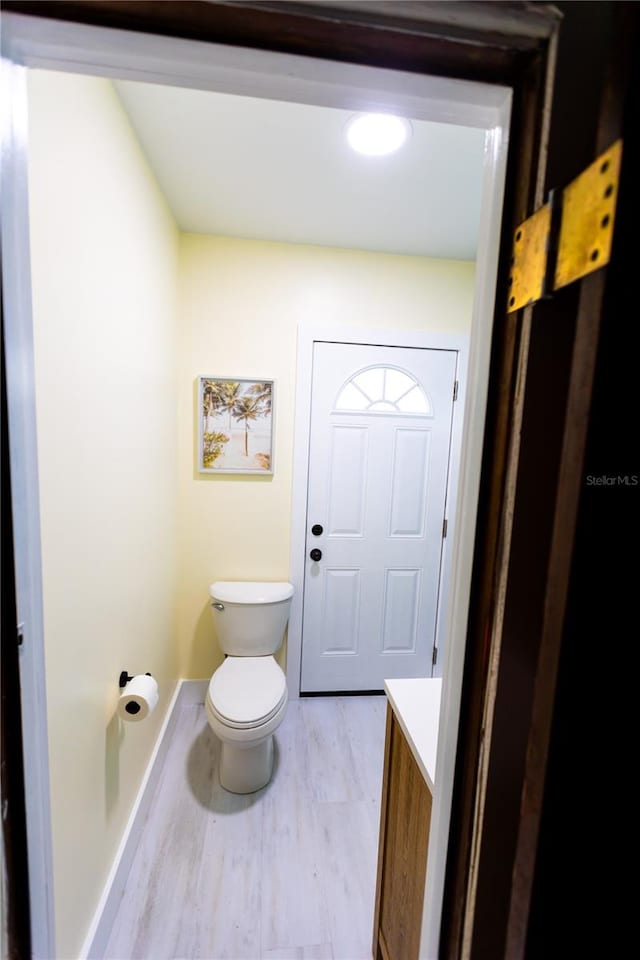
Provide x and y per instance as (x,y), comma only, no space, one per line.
(236,425)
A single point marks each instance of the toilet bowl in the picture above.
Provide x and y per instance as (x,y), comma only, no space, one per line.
(247,696)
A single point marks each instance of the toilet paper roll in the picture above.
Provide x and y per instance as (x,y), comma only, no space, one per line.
(138,699)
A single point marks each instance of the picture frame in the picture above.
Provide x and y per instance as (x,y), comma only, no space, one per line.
(235,432)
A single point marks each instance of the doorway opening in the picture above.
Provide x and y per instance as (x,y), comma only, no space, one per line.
(339,87)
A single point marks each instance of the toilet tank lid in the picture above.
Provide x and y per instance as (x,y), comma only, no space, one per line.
(239,591)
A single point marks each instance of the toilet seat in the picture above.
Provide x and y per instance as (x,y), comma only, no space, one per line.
(247,692)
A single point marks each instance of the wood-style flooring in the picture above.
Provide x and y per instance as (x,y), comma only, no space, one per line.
(288,872)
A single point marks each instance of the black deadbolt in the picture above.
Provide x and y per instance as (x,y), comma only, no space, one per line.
(317,529)
(316,554)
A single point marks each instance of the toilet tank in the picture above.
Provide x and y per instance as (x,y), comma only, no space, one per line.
(250,616)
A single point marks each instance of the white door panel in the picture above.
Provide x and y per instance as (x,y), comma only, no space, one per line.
(378,461)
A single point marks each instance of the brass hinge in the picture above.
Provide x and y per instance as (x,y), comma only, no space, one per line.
(570,236)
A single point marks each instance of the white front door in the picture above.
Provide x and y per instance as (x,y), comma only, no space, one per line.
(378,464)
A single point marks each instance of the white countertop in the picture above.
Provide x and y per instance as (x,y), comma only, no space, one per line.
(416,706)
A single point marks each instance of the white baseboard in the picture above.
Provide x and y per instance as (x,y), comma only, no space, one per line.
(185,692)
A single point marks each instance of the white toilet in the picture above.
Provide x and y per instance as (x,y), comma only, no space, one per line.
(247,696)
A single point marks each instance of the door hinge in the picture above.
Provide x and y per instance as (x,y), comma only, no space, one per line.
(434,656)
(20,634)
(455,390)
(445,524)
(569,237)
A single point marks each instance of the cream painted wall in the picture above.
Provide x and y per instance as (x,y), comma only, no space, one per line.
(239,305)
(104,257)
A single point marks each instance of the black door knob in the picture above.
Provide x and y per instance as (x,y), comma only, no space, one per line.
(317,529)
(316,554)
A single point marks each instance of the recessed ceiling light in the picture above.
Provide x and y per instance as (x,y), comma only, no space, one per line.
(377,134)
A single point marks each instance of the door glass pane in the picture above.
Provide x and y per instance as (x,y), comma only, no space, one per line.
(396,383)
(383,390)
(350,398)
(372,382)
(414,402)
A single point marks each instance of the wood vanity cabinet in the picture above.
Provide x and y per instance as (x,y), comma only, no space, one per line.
(405,817)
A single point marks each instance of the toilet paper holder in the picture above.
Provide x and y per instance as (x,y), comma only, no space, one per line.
(124,678)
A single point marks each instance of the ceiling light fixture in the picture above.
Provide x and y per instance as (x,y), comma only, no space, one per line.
(377,134)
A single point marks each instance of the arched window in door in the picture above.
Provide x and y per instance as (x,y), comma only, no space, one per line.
(383,389)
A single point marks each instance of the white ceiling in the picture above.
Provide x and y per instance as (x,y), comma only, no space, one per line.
(272,170)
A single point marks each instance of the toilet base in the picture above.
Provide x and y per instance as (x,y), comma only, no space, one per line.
(246,769)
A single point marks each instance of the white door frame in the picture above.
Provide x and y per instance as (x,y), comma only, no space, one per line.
(78,48)
(308,335)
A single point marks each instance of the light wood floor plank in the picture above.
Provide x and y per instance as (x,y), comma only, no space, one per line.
(331,762)
(170,845)
(293,910)
(221,918)
(317,951)
(348,837)
(363,725)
